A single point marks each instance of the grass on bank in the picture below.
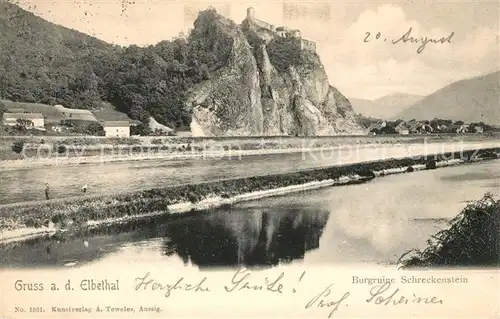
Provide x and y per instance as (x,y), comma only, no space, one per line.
(472,239)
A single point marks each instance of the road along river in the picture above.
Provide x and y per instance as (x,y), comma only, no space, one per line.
(27,184)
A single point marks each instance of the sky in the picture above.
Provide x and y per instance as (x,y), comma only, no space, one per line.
(357,68)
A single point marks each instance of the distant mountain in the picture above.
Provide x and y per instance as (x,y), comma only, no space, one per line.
(385,107)
(471,100)
(363,106)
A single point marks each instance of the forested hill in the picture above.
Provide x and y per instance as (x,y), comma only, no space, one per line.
(47,63)
(214,77)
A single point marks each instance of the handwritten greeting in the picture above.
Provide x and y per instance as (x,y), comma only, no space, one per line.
(329,298)
(241,281)
(378,291)
(409,38)
(148,283)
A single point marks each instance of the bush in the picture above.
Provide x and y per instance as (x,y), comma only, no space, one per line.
(366,173)
(157,141)
(136,149)
(431,164)
(18,146)
(61,149)
(471,240)
(284,53)
(487,154)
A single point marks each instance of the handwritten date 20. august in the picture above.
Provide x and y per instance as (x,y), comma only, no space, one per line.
(407,37)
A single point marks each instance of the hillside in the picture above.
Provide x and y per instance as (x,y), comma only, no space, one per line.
(108,113)
(213,76)
(385,107)
(45,63)
(471,100)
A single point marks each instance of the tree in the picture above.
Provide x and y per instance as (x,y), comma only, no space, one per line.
(18,146)
(95,129)
(23,124)
(387,130)
(141,129)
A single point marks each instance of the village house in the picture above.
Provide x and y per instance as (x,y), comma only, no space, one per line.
(34,120)
(59,128)
(464,128)
(420,128)
(116,128)
(403,128)
(442,128)
(478,129)
(375,128)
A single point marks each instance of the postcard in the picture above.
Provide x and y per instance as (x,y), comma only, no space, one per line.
(265,159)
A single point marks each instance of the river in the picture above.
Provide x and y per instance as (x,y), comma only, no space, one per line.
(371,223)
(28,184)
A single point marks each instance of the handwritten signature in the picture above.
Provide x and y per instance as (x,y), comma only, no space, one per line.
(381,295)
(321,301)
(409,38)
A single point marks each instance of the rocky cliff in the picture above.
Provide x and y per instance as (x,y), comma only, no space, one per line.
(266,85)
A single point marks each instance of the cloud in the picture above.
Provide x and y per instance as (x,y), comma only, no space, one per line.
(377,66)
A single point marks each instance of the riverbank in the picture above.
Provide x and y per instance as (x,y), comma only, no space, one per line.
(22,221)
(471,240)
(74,151)
(56,160)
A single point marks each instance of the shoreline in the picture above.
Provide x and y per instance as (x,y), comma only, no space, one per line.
(22,234)
(98,159)
(213,200)
(54,161)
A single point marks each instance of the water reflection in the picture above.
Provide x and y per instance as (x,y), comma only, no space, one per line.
(254,237)
(226,237)
(66,248)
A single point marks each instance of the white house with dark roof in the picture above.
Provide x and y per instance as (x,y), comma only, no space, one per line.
(372,129)
(116,128)
(34,119)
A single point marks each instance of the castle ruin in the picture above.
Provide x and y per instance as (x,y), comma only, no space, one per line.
(282,31)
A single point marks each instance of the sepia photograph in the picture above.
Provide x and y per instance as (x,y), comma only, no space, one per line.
(263,159)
